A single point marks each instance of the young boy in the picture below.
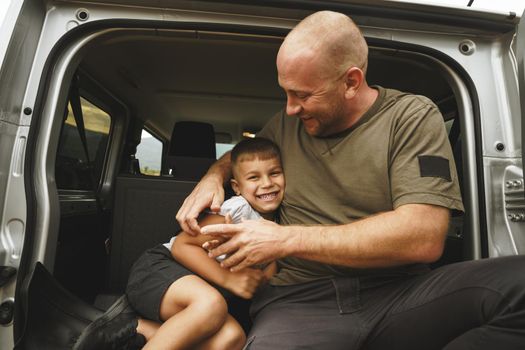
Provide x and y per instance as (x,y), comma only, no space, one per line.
(172,285)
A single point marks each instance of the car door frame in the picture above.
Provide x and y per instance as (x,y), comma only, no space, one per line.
(520,58)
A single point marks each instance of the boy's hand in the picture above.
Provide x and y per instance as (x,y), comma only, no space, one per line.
(245,283)
(270,270)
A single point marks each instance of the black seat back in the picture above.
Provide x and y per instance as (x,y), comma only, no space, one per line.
(191,150)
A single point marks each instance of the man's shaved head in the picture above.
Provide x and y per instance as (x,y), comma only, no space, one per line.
(321,66)
(330,37)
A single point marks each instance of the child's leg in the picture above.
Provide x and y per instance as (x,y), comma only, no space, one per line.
(192,310)
(147,328)
(231,336)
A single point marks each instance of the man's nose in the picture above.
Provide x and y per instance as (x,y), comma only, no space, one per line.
(292,106)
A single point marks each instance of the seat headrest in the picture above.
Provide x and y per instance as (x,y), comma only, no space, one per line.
(192,139)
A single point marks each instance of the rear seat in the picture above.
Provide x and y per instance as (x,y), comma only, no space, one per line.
(145,206)
(144,216)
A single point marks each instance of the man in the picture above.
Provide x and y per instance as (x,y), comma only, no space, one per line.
(371,182)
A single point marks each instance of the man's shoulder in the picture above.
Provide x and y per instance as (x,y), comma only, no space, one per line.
(393,97)
(277,125)
(405,105)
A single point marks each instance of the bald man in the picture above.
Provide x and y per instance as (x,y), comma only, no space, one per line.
(371,182)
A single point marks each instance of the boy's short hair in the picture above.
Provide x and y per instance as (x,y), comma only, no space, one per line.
(257,147)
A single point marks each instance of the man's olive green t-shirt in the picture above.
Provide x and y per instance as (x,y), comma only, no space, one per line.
(397,153)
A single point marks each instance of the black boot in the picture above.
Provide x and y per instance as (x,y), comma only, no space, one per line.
(116,329)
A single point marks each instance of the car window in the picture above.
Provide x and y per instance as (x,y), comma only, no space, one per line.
(149,154)
(221,148)
(76,170)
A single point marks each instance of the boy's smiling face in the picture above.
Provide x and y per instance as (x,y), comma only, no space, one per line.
(260,182)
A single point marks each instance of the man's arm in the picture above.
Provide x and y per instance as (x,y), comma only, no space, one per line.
(188,251)
(411,233)
(209,193)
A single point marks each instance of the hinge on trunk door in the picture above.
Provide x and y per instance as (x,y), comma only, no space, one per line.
(515,200)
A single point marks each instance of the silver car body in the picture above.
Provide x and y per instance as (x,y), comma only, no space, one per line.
(483,46)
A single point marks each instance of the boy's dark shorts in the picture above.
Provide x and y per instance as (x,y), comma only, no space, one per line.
(149,278)
(152,274)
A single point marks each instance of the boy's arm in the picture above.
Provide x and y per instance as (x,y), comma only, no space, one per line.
(188,251)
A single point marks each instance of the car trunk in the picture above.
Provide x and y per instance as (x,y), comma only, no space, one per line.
(142,76)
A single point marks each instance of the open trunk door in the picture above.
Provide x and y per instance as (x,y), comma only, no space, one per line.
(21,24)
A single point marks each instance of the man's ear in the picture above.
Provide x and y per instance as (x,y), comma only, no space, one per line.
(235,186)
(354,79)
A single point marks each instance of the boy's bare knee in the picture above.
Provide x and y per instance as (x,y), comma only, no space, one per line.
(211,308)
(231,337)
(235,337)
(210,299)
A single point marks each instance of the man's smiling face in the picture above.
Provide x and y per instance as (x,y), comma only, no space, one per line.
(312,96)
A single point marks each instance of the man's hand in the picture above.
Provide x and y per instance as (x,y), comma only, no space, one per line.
(214,243)
(245,283)
(251,242)
(209,193)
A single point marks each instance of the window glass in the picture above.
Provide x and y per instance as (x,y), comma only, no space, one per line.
(149,154)
(75,169)
(221,148)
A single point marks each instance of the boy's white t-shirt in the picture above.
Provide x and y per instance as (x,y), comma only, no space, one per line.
(238,208)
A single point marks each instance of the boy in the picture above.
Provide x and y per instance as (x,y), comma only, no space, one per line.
(182,309)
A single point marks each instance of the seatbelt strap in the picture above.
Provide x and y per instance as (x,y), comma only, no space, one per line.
(74,99)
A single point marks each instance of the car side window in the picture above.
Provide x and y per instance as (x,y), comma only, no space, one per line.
(79,167)
(149,154)
(221,148)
